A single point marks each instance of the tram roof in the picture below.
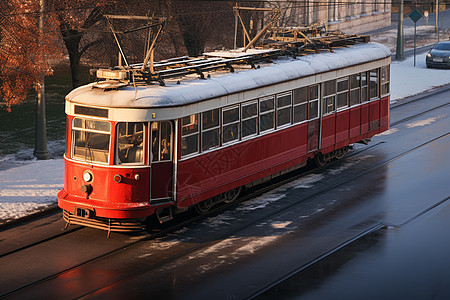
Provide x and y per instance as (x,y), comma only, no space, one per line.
(191,89)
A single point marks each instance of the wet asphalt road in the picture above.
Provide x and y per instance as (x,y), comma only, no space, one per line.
(328,218)
(404,174)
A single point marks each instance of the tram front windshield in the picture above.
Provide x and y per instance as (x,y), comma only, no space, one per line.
(90,140)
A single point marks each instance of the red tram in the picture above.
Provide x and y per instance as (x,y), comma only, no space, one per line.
(137,149)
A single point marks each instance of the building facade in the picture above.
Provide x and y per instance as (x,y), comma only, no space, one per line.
(349,16)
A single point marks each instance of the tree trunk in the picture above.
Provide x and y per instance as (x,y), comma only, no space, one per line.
(72,39)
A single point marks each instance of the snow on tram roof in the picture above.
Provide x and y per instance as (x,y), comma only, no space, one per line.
(191,89)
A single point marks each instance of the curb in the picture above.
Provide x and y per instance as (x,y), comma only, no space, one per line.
(430,92)
(52,209)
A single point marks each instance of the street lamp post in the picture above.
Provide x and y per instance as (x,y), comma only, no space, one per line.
(40,145)
(400,47)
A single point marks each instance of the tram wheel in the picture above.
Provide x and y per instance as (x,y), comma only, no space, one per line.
(231,195)
(320,160)
(204,206)
(340,153)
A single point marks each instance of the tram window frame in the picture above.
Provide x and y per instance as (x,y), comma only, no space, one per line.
(313,101)
(161,151)
(66,146)
(300,103)
(374,84)
(264,115)
(329,97)
(210,129)
(98,130)
(355,89)
(249,116)
(130,143)
(385,79)
(230,124)
(342,91)
(190,135)
(284,109)
(364,87)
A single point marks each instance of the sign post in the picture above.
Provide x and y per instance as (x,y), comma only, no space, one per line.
(415,16)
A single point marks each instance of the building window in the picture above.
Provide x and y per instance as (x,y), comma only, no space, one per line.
(210,129)
(266,114)
(342,93)
(249,119)
(189,134)
(230,127)
(284,108)
(363,7)
(332,11)
(300,104)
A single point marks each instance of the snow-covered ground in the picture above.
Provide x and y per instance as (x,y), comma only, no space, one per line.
(28,186)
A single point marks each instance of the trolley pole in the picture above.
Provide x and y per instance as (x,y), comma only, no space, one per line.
(40,145)
(399,51)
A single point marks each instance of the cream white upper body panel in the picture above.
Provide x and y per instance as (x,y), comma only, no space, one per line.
(193,95)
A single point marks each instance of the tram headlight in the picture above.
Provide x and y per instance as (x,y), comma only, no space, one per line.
(87,176)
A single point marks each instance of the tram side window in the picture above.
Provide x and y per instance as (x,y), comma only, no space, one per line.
(189,134)
(374,84)
(284,107)
(355,89)
(364,87)
(161,141)
(300,104)
(342,93)
(266,114)
(313,104)
(90,140)
(210,129)
(249,119)
(130,142)
(329,96)
(230,128)
(385,78)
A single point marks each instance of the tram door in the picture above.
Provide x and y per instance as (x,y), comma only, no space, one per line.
(314,118)
(161,161)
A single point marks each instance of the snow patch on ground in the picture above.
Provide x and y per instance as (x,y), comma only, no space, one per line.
(281,225)
(388,132)
(349,163)
(218,221)
(29,187)
(307,181)
(407,80)
(261,201)
(421,123)
(255,244)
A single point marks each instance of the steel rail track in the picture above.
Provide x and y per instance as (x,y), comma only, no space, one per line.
(340,247)
(219,238)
